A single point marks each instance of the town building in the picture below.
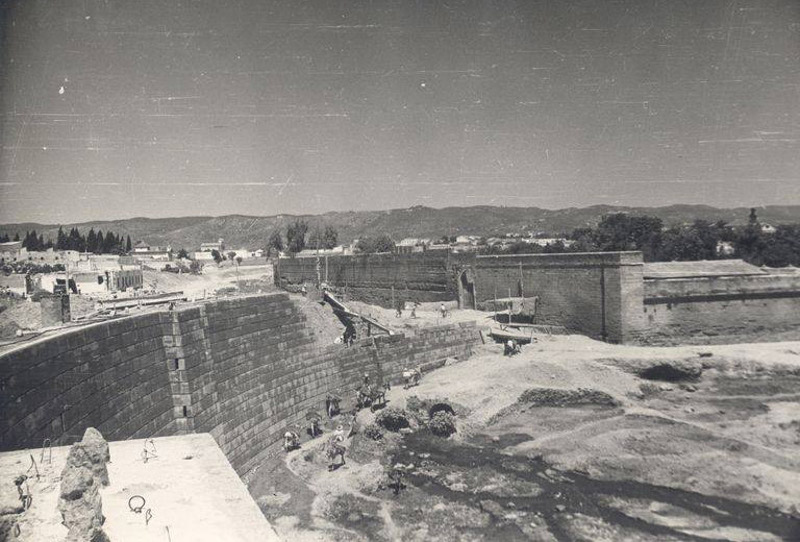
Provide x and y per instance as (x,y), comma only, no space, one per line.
(158,253)
(219,246)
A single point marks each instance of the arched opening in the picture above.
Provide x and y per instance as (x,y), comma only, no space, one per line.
(466,290)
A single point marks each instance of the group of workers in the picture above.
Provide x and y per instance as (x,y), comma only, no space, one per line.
(400,306)
(365,395)
(334,447)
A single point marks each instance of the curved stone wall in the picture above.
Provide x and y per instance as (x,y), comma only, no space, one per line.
(241,369)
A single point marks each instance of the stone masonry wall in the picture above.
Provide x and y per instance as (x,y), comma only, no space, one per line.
(591,293)
(415,277)
(721,309)
(242,369)
(110,376)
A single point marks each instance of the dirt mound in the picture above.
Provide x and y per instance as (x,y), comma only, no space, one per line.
(672,372)
(553,397)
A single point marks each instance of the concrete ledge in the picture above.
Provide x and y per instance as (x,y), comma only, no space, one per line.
(190,488)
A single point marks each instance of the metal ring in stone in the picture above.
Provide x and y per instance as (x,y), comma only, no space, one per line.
(136,509)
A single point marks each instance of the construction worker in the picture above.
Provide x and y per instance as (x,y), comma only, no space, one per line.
(396,474)
(349,334)
(336,447)
(411,378)
(314,426)
(511,348)
(291,440)
(332,405)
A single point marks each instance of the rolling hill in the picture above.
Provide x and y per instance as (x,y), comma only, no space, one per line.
(418,221)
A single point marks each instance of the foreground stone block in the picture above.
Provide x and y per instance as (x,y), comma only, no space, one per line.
(97,453)
(79,499)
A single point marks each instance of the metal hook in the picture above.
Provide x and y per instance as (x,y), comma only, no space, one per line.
(33,466)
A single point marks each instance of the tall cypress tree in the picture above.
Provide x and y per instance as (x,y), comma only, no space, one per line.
(91,241)
(128,246)
(61,239)
(100,242)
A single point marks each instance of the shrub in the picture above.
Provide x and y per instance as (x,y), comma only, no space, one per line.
(393,419)
(373,432)
(442,424)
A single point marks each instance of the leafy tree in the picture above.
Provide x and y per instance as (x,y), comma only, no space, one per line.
(182,254)
(326,238)
(371,245)
(274,243)
(128,245)
(330,237)
(16,237)
(231,255)
(696,242)
(217,256)
(296,236)
(620,231)
(750,243)
(238,260)
(4,238)
(99,243)
(783,247)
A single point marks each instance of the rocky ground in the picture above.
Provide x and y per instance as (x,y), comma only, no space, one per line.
(570,440)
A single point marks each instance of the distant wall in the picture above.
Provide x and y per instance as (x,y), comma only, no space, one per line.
(590,293)
(242,369)
(603,295)
(422,276)
(721,309)
(583,292)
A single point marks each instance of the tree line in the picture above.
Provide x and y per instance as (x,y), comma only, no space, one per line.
(96,242)
(298,237)
(700,240)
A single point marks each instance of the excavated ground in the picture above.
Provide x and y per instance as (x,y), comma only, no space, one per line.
(571,440)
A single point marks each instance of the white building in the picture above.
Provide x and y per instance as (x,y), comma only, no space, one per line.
(219,246)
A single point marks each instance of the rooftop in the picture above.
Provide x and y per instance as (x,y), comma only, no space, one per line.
(702,268)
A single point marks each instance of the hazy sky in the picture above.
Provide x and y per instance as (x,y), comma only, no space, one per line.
(121,108)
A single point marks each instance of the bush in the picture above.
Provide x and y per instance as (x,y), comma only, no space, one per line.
(393,419)
(442,424)
(373,432)
(550,397)
(675,371)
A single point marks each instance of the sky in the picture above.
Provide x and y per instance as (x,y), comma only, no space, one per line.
(117,108)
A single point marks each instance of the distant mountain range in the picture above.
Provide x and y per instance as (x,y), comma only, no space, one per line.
(252,231)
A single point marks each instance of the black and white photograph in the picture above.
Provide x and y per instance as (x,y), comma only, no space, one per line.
(399,270)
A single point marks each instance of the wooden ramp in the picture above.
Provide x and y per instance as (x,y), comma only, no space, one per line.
(340,308)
